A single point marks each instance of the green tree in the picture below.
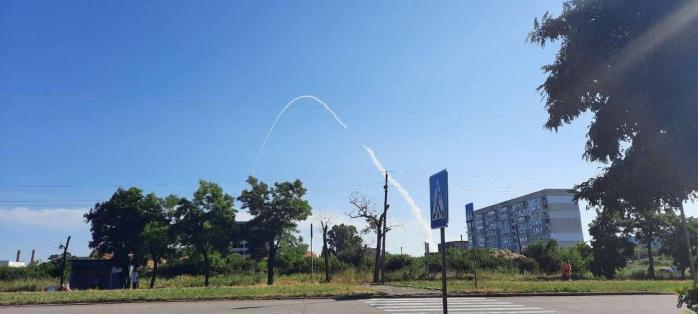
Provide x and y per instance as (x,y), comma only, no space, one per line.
(156,240)
(207,223)
(117,224)
(546,254)
(276,211)
(344,242)
(632,65)
(648,227)
(291,256)
(579,255)
(610,245)
(673,240)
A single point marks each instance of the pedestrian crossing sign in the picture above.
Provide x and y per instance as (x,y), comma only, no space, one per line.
(438,199)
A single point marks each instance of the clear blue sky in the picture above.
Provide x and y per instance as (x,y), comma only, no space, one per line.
(96,95)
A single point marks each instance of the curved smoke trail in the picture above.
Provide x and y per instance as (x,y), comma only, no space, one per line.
(281,113)
(416,211)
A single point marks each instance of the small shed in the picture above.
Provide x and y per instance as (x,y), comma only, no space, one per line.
(95,273)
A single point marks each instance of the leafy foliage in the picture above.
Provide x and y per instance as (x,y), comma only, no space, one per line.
(673,243)
(546,254)
(276,211)
(611,247)
(207,223)
(344,242)
(117,224)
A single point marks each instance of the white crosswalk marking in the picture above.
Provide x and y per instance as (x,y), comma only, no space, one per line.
(474,305)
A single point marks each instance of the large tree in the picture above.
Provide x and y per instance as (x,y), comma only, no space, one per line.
(632,65)
(673,243)
(648,227)
(344,242)
(117,224)
(610,244)
(276,211)
(207,222)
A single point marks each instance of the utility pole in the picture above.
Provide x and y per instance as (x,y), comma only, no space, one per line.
(65,256)
(385,225)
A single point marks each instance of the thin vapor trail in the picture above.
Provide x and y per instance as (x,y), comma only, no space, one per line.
(281,113)
(416,211)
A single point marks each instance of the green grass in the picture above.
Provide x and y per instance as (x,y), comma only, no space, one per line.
(540,286)
(172,294)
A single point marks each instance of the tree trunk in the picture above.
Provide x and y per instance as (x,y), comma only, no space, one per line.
(326,254)
(688,242)
(206,269)
(650,257)
(376,266)
(155,273)
(270,264)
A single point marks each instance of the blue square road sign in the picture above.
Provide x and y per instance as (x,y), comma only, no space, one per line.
(438,199)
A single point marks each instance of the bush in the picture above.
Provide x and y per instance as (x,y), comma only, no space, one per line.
(546,254)
(689,296)
(33,271)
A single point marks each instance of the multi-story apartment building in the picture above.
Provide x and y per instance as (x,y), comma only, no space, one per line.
(513,224)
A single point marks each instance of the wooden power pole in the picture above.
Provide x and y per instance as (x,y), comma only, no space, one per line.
(385,225)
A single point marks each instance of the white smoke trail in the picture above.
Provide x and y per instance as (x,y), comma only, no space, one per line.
(426,231)
(281,113)
(416,211)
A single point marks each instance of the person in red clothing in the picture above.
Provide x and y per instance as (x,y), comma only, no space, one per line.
(567,270)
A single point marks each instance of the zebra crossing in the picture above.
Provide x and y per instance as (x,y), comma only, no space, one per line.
(467,305)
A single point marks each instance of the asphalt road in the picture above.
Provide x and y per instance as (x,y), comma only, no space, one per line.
(490,305)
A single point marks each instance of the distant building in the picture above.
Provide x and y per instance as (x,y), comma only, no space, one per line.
(460,245)
(7,263)
(513,224)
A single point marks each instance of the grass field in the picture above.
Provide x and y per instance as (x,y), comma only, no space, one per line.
(172,294)
(540,286)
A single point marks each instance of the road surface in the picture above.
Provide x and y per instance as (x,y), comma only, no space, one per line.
(470,305)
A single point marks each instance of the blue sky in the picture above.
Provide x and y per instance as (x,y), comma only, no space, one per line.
(160,94)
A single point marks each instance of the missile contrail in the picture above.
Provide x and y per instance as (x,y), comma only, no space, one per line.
(281,113)
(416,211)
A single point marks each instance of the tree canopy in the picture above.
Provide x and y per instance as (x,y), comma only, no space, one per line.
(631,63)
(117,223)
(344,242)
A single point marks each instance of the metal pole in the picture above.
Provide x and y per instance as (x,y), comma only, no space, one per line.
(312,266)
(472,250)
(443,271)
